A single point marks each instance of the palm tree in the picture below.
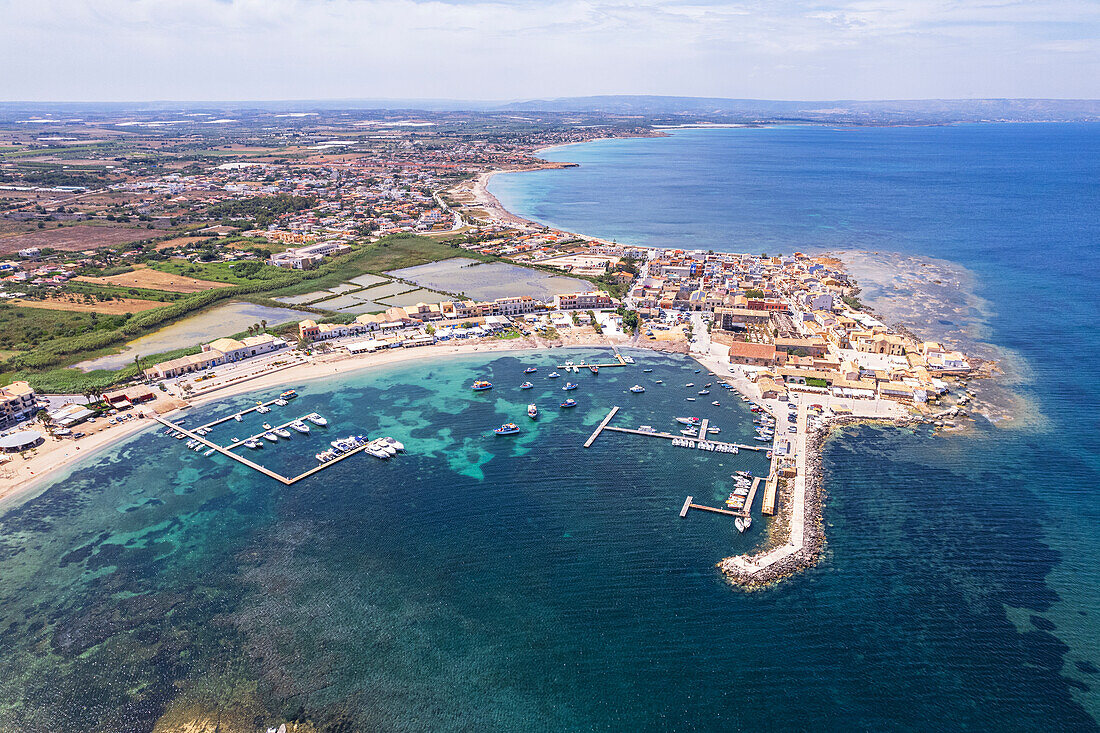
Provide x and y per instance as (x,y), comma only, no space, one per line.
(263,325)
(47,421)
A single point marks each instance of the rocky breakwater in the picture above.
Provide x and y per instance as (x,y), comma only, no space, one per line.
(780,560)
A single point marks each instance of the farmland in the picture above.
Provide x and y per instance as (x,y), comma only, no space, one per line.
(74,238)
(150,279)
(75,304)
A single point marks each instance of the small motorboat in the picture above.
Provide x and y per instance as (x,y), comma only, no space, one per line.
(300,426)
(526,385)
(659,381)
(281,402)
(688,420)
(594,369)
(637,389)
(282,432)
(271,436)
(209,452)
(568,386)
(530,370)
(690,399)
(532,411)
(742,523)
(647,370)
(716,403)
(253,443)
(237,417)
(697,371)
(714,431)
(508,428)
(317,419)
(267,426)
(689,432)
(690,384)
(569,403)
(481,385)
(263,409)
(704,391)
(552,375)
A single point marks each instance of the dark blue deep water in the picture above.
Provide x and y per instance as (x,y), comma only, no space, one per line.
(526,583)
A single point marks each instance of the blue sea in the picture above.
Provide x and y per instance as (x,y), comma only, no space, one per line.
(526,583)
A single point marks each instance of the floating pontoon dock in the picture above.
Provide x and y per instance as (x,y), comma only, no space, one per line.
(227,452)
(681,441)
(620,360)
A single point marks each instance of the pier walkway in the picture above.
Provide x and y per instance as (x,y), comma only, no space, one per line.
(252,464)
(603,424)
(620,360)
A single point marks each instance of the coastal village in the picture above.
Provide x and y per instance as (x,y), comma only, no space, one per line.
(786,331)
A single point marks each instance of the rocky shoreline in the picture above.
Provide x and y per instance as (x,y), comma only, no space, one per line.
(813,530)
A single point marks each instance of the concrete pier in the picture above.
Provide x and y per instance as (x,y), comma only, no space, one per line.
(252,464)
(687,505)
(602,425)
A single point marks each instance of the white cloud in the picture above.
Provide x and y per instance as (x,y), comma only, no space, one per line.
(264,49)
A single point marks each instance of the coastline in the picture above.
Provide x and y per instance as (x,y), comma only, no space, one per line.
(58,456)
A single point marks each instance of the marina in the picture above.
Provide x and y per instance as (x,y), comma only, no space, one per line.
(620,361)
(274,434)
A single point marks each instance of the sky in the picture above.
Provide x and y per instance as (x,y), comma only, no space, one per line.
(140,50)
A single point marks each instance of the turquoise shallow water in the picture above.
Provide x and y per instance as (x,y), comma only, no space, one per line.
(530,584)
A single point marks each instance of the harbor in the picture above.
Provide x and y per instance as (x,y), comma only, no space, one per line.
(341,448)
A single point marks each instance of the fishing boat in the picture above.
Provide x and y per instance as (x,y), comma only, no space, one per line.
(317,419)
(594,369)
(569,403)
(271,436)
(552,375)
(526,385)
(688,420)
(530,370)
(282,432)
(289,394)
(637,389)
(508,428)
(397,444)
(300,426)
(568,386)
(532,411)
(481,385)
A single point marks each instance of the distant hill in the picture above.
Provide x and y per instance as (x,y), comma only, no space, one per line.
(921,111)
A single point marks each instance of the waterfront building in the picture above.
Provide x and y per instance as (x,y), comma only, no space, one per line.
(17,403)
